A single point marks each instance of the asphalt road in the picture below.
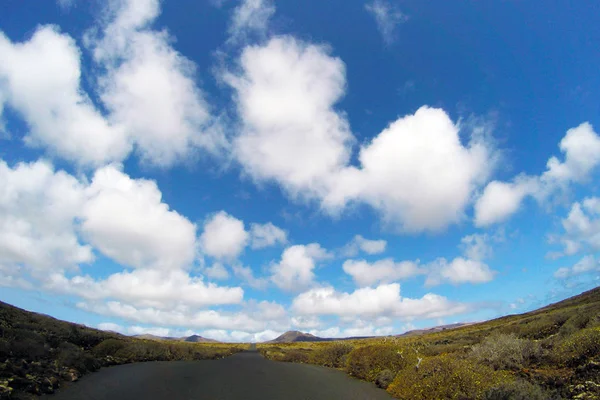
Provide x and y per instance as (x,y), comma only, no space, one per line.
(246,376)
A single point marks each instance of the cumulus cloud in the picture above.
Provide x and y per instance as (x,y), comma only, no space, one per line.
(388,17)
(266,235)
(383,300)
(588,264)
(38,207)
(217,271)
(247,275)
(477,246)
(161,290)
(294,271)
(359,243)
(149,88)
(224,236)
(500,200)
(254,318)
(250,17)
(581,227)
(457,271)
(468,269)
(422,152)
(291,134)
(126,220)
(382,271)
(40,78)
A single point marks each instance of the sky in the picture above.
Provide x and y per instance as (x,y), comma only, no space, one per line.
(238,169)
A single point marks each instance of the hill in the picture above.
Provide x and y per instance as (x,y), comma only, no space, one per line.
(439,328)
(296,336)
(189,339)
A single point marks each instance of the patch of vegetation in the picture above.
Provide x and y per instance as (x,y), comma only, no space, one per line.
(550,353)
(39,353)
(508,352)
(367,362)
(445,377)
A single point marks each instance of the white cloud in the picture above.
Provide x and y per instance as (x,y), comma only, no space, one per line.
(252,320)
(40,78)
(422,152)
(359,243)
(382,271)
(224,236)
(476,247)
(110,326)
(459,270)
(290,132)
(65,4)
(247,275)
(581,227)
(160,290)
(38,207)
(295,270)
(251,17)
(383,300)
(149,88)
(217,271)
(292,135)
(266,235)
(241,336)
(500,200)
(388,17)
(126,220)
(581,146)
(587,264)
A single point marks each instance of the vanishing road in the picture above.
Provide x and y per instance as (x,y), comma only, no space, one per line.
(245,375)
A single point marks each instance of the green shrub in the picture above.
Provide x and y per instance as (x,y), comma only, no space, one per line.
(108,347)
(368,361)
(506,352)
(332,355)
(445,377)
(384,378)
(574,323)
(294,355)
(579,347)
(518,390)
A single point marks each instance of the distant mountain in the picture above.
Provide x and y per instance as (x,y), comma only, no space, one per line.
(190,339)
(416,332)
(197,339)
(296,336)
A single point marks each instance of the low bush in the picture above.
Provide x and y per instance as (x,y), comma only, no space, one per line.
(504,351)
(518,390)
(331,355)
(578,347)
(446,377)
(574,323)
(368,361)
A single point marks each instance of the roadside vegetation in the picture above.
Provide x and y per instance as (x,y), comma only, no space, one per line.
(551,353)
(38,353)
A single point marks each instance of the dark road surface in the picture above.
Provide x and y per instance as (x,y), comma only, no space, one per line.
(246,376)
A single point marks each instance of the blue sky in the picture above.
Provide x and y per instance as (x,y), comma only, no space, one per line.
(237,169)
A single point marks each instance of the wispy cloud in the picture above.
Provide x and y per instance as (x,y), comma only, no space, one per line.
(388,17)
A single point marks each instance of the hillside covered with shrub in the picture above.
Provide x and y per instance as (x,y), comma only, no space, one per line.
(39,353)
(550,353)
